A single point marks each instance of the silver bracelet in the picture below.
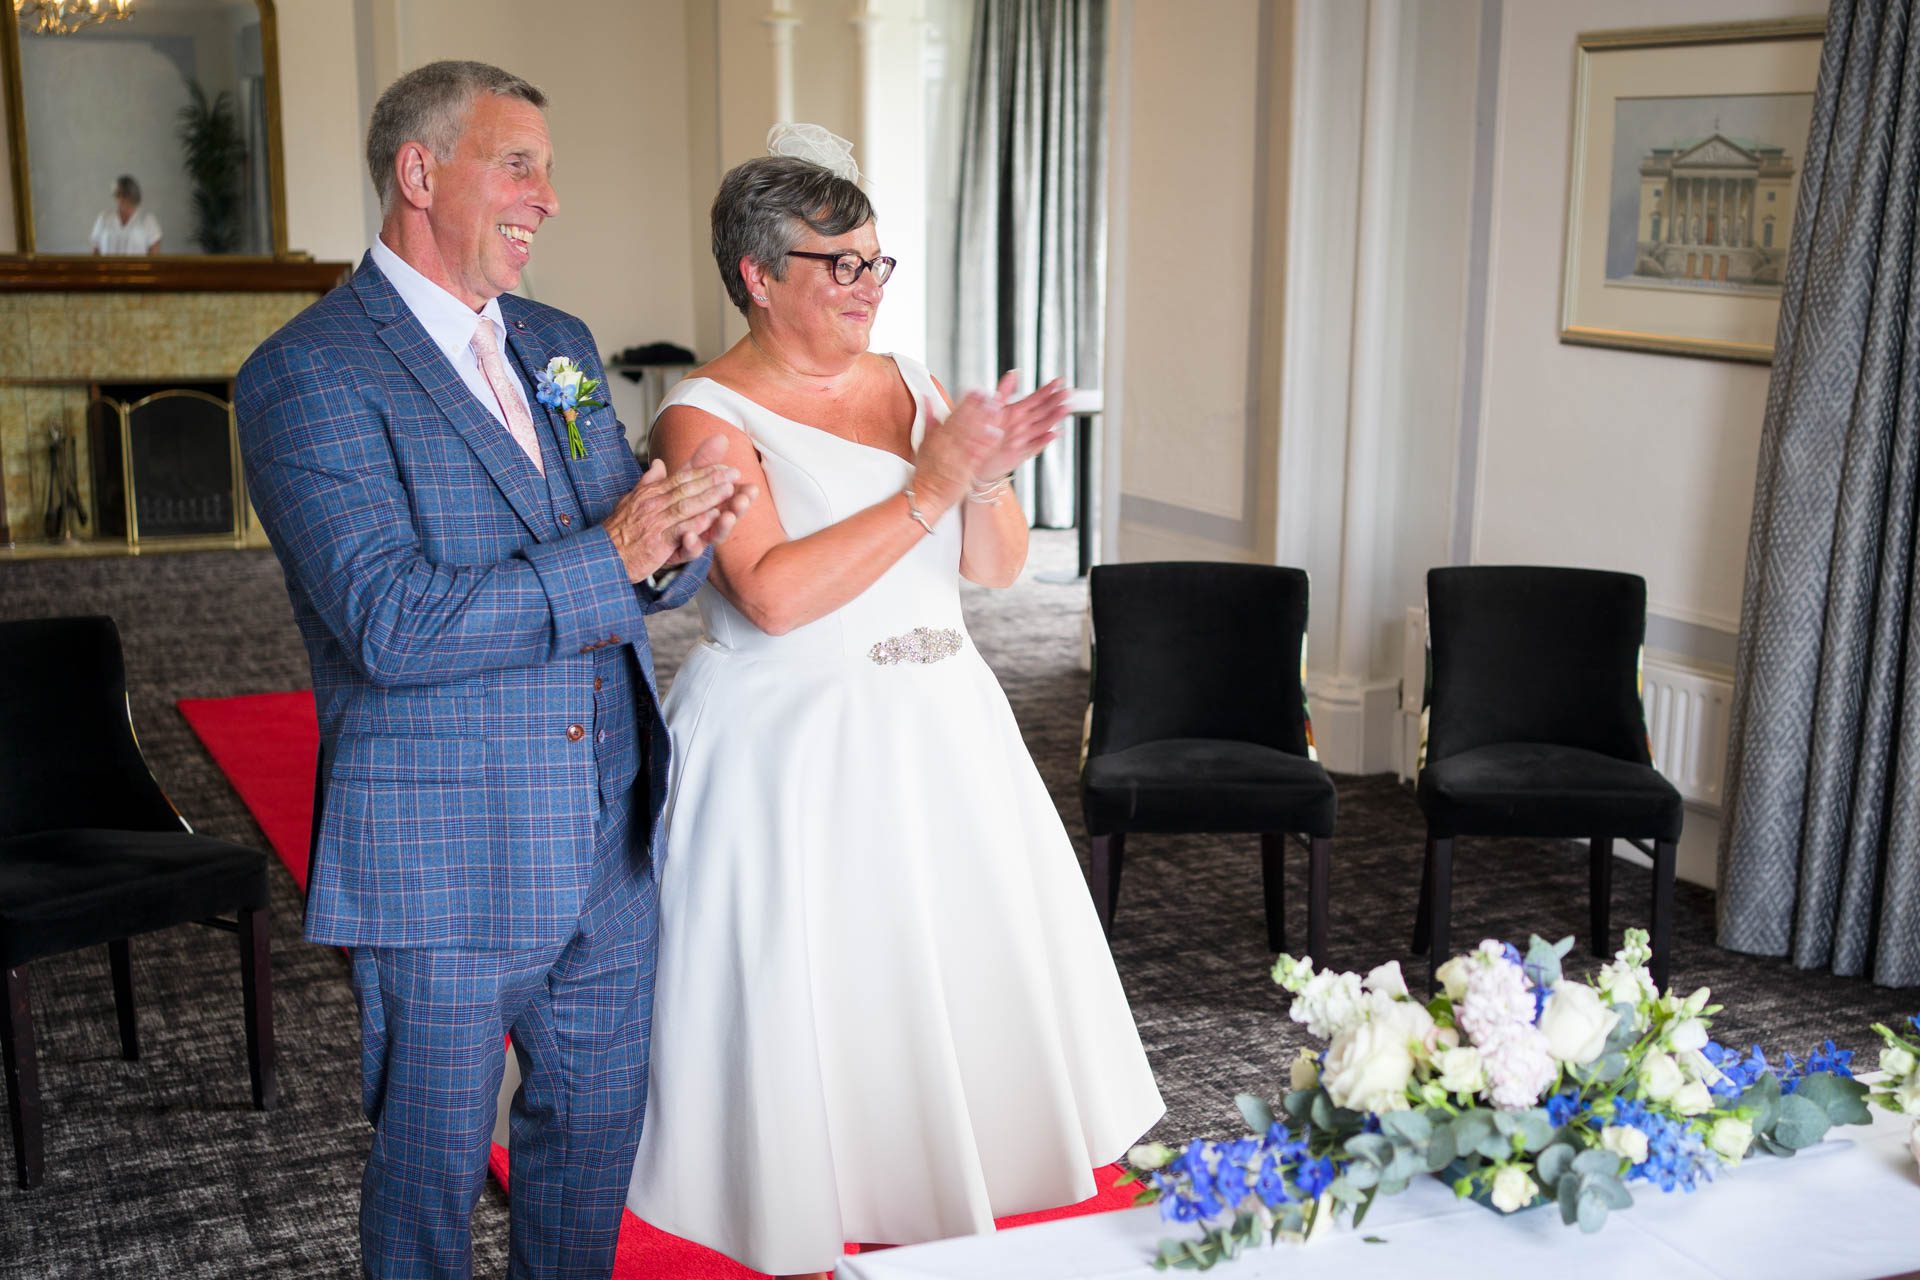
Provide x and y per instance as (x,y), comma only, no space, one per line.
(913,510)
(989,493)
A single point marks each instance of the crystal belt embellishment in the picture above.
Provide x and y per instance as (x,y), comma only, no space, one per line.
(922,645)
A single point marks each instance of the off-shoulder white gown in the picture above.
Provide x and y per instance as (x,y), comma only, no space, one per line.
(884,1009)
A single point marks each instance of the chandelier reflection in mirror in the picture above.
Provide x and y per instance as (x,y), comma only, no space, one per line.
(63,17)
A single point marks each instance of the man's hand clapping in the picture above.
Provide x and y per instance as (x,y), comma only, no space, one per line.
(670,519)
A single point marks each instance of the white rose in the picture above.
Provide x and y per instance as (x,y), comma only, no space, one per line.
(1730,1138)
(1696,1002)
(1442,1038)
(1626,983)
(1368,1067)
(1461,1071)
(1898,1063)
(1625,1141)
(1151,1155)
(1577,1024)
(1513,1189)
(1690,1034)
(1306,1070)
(1660,1077)
(1692,1098)
(568,378)
(1386,979)
(1452,977)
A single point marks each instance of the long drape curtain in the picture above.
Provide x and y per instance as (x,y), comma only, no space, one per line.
(1032,218)
(1820,852)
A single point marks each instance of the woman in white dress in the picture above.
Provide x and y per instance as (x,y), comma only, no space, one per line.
(884,1009)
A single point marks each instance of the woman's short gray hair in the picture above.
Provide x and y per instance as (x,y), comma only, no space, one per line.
(761,206)
(125,187)
(430,105)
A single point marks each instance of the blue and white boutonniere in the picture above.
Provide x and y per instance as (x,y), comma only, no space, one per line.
(562,386)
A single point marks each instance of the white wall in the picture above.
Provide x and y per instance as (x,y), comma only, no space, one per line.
(1608,459)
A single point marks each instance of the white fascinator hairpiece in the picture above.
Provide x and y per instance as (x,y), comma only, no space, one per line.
(812,143)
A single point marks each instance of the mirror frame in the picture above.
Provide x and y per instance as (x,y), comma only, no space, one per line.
(27,269)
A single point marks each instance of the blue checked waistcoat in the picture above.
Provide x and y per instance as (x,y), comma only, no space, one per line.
(480,660)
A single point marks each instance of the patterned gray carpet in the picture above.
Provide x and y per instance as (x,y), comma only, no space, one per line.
(160,1167)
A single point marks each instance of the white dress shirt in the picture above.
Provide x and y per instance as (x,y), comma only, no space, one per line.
(130,238)
(450,323)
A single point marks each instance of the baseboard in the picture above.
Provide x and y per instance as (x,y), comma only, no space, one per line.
(1355,725)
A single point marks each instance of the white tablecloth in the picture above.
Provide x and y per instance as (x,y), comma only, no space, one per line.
(1847,1208)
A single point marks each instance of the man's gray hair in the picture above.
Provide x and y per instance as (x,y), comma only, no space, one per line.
(761,205)
(125,187)
(430,105)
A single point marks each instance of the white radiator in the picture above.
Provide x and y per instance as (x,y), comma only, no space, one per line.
(1686,707)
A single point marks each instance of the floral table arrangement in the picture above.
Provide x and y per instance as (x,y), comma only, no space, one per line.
(1518,1085)
(1899,1087)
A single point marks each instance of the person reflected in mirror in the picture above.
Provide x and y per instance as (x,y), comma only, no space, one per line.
(126,230)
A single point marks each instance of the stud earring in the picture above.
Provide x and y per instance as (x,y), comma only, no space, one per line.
(759,297)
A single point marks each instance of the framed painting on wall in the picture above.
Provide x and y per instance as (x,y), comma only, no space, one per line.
(1687,145)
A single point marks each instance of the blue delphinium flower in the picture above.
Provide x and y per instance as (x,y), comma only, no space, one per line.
(1271,1186)
(1314,1177)
(1566,1105)
(1736,1073)
(1915,1020)
(551,393)
(1826,1058)
(1676,1157)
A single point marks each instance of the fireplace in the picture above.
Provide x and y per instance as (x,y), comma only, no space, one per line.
(177,475)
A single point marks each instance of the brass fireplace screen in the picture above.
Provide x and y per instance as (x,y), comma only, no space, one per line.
(178,480)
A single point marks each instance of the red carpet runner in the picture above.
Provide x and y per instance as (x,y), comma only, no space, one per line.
(265,744)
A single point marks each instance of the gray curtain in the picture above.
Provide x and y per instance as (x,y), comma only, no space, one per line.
(1032,223)
(1820,854)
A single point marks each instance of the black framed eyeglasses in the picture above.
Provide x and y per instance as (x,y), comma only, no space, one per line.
(847,265)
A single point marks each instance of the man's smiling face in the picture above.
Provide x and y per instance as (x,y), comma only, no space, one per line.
(490,197)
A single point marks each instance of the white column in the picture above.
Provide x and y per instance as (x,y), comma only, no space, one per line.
(780,24)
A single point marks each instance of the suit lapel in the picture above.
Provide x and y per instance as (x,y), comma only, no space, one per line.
(492,443)
(532,347)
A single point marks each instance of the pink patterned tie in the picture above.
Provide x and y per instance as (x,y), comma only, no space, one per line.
(486,348)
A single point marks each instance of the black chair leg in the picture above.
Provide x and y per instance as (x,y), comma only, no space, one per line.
(1273,883)
(256,992)
(1426,898)
(1664,853)
(1439,906)
(23,1081)
(1109,853)
(1319,868)
(120,960)
(1600,895)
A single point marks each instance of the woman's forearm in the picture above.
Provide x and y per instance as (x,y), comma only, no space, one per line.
(993,546)
(804,579)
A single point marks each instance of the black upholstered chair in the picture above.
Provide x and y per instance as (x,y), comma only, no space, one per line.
(1535,728)
(92,853)
(1199,723)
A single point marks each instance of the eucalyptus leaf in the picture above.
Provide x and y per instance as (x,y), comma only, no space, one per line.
(1553,1164)
(1413,1126)
(1624,1031)
(1592,1212)
(1543,960)
(1322,1110)
(1802,1122)
(1299,1105)
(1534,1128)
(1343,1190)
(1613,1191)
(1495,1146)
(1844,1100)
(1255,1111)
(1569,1198)
(1597,1160)
(1440,1151)
(1607,1068)
(1374,1148)
(1363,1175)
(1470,1128)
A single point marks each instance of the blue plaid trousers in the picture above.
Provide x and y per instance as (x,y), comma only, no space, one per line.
(432,1025)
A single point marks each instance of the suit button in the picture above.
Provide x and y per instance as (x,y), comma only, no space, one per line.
(566,521)
(596,684)
(575,732)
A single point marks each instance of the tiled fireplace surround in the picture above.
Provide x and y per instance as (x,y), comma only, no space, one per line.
(55,348)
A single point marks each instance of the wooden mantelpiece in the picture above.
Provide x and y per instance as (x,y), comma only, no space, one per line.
(30,274)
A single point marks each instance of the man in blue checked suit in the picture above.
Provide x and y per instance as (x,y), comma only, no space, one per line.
(472,589)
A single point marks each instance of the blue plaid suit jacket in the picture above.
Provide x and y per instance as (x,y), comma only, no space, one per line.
(456,624)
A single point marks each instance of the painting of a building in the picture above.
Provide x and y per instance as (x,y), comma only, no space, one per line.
(1715,211)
